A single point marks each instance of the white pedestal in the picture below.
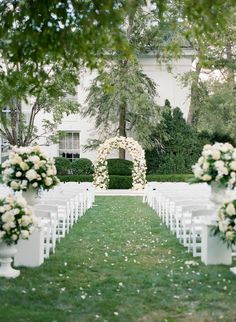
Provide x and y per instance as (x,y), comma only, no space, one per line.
(30,253)
(214,251)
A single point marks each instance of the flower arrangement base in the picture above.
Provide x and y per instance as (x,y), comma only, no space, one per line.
(233,270)
(6,254)
(31,196)
(30,252)
(214,251)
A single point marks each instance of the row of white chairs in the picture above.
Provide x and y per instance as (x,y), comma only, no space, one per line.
(183,208)
(59,209)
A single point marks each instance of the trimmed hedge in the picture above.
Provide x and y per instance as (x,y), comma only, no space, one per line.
(125,182)
(82,166)
(120,182)
(76,178)
(169,177)
(119,167)
(62,165)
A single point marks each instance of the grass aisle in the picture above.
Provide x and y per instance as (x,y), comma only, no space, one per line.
(119,264)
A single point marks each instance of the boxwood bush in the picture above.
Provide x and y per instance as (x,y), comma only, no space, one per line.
(82,166)
(76,178)
(119,167)
(63,165)
(125,182)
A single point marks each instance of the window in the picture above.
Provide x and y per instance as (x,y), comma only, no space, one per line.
(69,146)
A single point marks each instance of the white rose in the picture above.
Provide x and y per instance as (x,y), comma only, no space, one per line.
(219,164)
(18,174)
(50,172)
(225,147)
(225,171)
(2,209)
(16,160)
(14,185)
(7,217)
(233,165)
(14,237)
(36,148)
(205,166)
(48,181)
(200,160)
(34,159)
(206,177)
(25,220)
(234,154)
(223,226)
(24,166)
(230,235)
(215,154)
(21,202)
(230,209)
(24,234)
(35,185)
(8,225)
(31,174)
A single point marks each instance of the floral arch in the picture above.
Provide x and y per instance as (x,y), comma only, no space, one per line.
(101,178)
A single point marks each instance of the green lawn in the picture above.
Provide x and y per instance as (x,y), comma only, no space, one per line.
(119,263)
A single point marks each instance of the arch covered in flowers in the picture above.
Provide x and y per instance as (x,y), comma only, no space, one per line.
(101,177)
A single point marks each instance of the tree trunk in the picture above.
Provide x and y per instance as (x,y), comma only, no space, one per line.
(122,127)
(194,95)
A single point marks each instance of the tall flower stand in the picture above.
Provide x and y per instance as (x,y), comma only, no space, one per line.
(30,252)
(31,196)
(214,251)
(6,254)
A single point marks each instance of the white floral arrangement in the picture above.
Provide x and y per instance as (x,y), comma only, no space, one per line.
(29,167)
(226,223)
(16,220)
(216,164)
(101,178)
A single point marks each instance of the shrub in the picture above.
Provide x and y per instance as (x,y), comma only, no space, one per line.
(82,166)
(76,178)
(119,167)
(63,165)
(120,182)
(125,182)
(182,145)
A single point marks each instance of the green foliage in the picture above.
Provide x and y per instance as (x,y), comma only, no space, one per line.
(76,178)
(50,31)
(217,113)
(120,182)
(63,165)
(180,145)
(82,166)
(119,167)
(121,99)
(169,177)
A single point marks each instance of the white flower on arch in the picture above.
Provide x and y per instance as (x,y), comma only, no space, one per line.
(101,178)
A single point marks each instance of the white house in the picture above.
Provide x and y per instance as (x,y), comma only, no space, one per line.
(79,130)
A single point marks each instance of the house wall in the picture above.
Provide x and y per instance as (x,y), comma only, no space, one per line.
(169,87)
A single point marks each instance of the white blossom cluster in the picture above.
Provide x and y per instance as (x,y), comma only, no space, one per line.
(226,224)
(217,164)
(101,178)
(16,219)
(29,167)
